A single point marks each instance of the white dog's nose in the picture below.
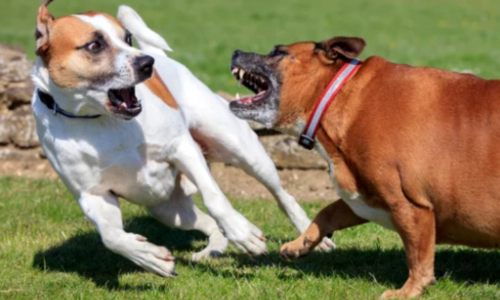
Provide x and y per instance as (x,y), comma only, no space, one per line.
(144,66)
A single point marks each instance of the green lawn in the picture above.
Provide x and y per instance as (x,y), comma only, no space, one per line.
(48,250)
(450,34)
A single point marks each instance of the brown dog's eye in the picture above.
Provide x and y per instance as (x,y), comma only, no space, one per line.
(94,46)
(277,52)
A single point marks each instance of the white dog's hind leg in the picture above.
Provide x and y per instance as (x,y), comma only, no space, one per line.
(190,161)
(256,163)
(180,211)
(104,212)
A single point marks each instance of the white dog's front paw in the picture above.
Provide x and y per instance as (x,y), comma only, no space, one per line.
(216,246)
(155,259)
(246,236)
(326,245)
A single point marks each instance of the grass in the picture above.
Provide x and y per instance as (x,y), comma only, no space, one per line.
(48,250)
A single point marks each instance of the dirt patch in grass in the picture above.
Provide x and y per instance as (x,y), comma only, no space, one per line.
(308,185)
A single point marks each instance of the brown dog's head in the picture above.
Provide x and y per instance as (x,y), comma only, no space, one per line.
(288,78)
(89,58)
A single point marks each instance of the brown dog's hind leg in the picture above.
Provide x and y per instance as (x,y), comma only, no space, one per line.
(335,216)
(417,228)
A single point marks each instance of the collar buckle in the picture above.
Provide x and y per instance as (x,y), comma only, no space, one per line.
(307,142)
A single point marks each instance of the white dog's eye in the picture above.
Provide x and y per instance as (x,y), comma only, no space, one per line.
(94,46)
(128,38)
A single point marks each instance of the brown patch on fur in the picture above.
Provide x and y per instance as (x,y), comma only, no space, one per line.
(69,67)
(156,85)
(420,143)
(60,44)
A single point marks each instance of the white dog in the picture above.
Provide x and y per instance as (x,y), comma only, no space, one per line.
(90,124)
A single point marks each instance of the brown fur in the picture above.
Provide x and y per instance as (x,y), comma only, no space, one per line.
(68,67)
(57,44)
(420,143)
(156,85)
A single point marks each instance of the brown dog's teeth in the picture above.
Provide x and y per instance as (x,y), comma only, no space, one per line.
(235,73)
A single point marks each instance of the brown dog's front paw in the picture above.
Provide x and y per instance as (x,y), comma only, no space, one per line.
(293,250)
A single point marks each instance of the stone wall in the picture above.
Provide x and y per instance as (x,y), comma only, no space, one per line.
(18,139)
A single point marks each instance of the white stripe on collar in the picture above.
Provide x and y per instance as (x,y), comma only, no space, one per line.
(307,138)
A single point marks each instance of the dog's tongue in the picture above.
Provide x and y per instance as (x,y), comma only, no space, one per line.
(251,99)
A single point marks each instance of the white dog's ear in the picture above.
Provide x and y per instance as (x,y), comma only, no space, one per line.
(43,23)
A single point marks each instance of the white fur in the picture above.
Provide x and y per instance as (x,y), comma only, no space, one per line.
(146,37)
(102,159)
(228,138)
(354,200)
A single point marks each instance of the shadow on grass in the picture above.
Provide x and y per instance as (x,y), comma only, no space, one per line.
(387,267)
(85,254)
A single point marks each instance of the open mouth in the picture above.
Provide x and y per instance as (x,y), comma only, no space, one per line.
(257,83)
(123,103)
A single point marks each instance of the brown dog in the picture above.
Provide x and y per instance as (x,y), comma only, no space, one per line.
(416,150)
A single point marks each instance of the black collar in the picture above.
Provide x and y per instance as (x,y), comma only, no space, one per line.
(48,100)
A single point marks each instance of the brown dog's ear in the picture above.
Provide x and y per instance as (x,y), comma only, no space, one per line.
(348,47)
(43,22)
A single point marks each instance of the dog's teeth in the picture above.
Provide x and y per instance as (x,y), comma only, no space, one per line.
(237,96)
(241,73)
(234,71)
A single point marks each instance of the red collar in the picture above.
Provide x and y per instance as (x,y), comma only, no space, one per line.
(307,138)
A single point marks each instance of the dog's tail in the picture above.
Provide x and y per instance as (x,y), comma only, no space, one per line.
(145,37)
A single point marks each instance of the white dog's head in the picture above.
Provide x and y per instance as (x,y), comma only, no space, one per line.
(89,57)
